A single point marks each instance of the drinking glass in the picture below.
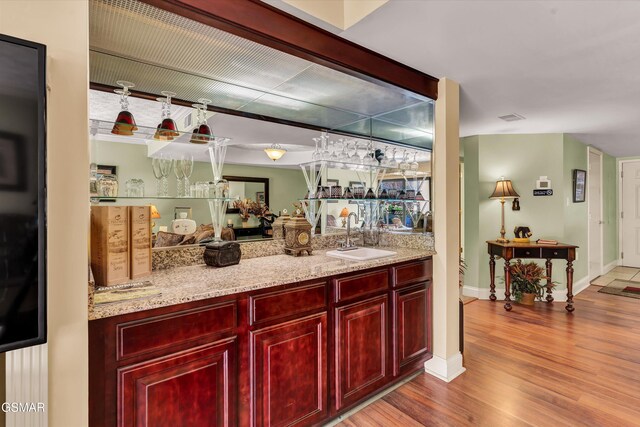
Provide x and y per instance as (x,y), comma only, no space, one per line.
(166,165)
(155,164)
(177,170)
(186,164)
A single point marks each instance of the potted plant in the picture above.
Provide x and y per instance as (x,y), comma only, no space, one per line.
(527,282)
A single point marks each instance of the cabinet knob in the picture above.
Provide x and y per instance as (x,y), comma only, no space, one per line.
(527,253)
(555,253)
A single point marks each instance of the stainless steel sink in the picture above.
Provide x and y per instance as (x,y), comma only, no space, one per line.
(361,254)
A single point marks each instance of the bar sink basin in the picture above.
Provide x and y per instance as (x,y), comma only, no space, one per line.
(361,254)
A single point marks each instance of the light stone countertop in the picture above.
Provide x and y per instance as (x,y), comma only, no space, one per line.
(185,284)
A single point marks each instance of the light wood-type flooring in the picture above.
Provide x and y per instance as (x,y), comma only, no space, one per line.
(531,367)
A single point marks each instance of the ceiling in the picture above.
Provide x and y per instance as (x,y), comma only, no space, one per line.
(566,66)
(248,137)
(157,50)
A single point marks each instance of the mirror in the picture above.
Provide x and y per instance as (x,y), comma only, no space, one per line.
(251,174)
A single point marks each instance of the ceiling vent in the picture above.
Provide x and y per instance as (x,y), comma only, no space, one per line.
(513,117)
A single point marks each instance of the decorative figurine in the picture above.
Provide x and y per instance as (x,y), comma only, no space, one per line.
(522,234)
(297,237)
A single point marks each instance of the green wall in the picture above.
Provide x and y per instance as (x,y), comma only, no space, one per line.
(523,159)
(610,208)
(576,215)
(285,185)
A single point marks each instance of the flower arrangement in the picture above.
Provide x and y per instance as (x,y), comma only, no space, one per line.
(247,207)
(526,278)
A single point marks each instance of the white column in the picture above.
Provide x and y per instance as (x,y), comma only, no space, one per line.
(446,363)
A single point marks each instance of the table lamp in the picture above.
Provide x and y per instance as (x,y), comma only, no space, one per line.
(344,214)
(154,215)
(504,190)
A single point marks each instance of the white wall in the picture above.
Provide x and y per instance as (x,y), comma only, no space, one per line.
(63,27)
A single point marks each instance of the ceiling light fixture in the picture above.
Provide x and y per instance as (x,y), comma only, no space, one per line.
(275,152)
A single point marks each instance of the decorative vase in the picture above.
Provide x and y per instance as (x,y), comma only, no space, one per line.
(528,299)
(245,222)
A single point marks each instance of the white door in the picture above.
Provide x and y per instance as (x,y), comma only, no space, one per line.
(630,215)
(594,195)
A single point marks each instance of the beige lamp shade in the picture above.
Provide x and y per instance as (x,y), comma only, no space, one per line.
(344,213)
(154,212)
(504,190)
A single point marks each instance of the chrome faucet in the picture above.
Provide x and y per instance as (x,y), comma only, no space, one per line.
(349,245)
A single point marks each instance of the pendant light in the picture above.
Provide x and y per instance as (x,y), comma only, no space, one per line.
(167,129)
(125,123)
(202,131)
(275,152)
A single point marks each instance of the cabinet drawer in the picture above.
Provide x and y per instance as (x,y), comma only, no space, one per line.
(283,303)
(555,253)
(170,330)
(413,272)
(526,252)
(362,284)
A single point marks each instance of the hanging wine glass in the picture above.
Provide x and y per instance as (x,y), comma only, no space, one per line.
(167,129)
(186,164)
(202,132)
(325,146)
(316,154)
(385,156)
(334,151)
(370,158)
(338,153)
(177,170)
(125,123)
(155,165)
(414,164)
(404,162)
(353,158)
(394,161)
(362,152)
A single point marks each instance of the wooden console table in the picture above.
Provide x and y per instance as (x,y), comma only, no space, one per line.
(511,250)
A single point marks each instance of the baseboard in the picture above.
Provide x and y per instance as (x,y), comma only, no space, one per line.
(558,294)
(445,369)
(607,268)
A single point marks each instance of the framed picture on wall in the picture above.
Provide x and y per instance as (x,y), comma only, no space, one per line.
(579,185)
(260,197)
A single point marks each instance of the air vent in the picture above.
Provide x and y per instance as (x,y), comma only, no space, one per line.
(513,117)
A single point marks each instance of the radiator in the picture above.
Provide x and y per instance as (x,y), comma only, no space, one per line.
(26,383)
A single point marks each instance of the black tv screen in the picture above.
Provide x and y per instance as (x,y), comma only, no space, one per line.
(22,194)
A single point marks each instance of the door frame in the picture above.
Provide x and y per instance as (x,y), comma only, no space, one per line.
(620,260)
(600,269)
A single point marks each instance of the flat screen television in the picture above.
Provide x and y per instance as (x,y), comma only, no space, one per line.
(23,316)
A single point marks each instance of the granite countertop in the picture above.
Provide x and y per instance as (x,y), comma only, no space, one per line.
(184,284)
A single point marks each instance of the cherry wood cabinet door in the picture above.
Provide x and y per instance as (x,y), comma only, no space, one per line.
(191,388)
(289,368)
(411,328)
(361,362)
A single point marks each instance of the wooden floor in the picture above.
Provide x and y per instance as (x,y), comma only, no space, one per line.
(536,367)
